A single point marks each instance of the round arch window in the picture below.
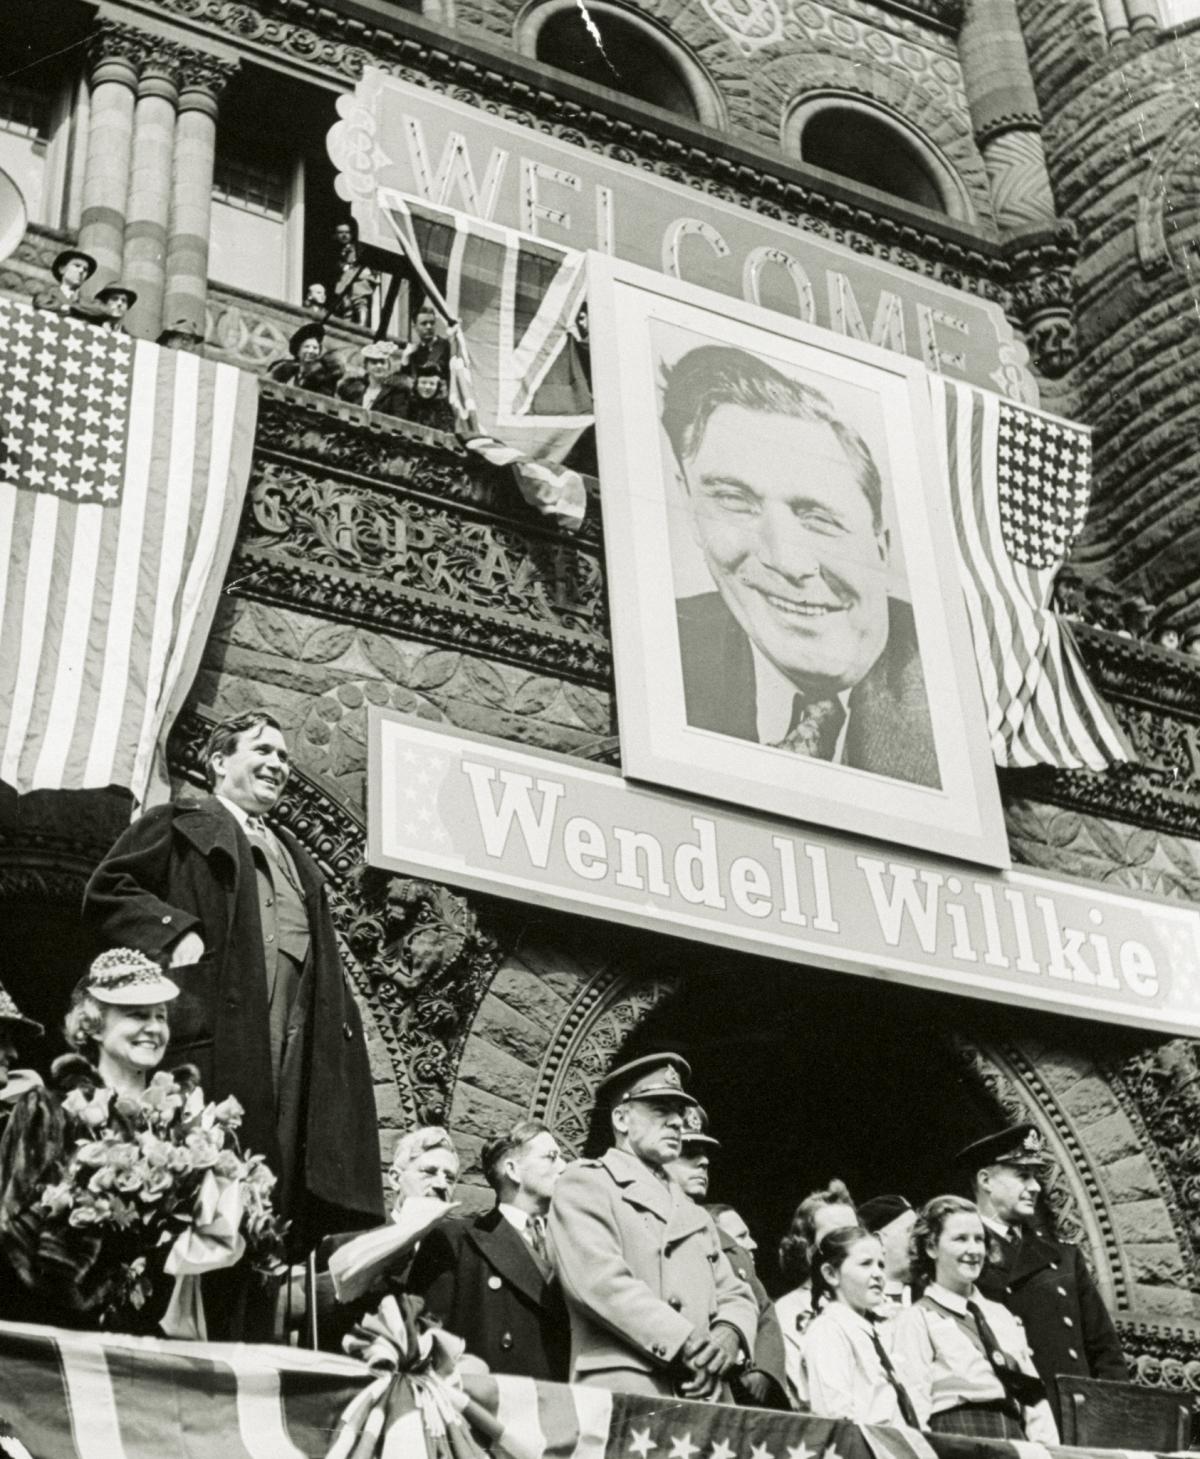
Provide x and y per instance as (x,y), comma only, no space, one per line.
(866,145)
(633,57)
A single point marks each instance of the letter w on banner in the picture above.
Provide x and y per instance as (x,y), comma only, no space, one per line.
(1020,481)
(511,303)
(122,472)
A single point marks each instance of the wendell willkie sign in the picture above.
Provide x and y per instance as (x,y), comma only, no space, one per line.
(490,817)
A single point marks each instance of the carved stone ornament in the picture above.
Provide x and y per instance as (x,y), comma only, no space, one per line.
(435,544)
(186,66)
(1042,295)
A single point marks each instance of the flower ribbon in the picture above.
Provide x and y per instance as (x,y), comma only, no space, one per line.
(212,1241)
(416,1406)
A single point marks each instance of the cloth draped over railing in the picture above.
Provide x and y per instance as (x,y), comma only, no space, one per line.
(76,1395)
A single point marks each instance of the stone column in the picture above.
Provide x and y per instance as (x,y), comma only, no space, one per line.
(116,56)
(149,203)
(201,83)
(1004,113)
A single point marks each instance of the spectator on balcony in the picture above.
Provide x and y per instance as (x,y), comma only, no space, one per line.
(426,404)
(316,301)
(427,349)
(356,285)
(71,269)
(109,307)
(310,366)
(378,389)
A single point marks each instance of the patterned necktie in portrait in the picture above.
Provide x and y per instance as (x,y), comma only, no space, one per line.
(535,1231)
(815,727)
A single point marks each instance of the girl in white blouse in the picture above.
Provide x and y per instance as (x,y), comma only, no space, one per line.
(847,1364)
(965,1361)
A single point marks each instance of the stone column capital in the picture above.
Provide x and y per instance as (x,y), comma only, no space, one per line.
(157,65)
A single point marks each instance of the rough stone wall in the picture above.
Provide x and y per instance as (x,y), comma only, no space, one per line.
(1121,138)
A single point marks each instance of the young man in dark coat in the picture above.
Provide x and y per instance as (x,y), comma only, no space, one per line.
(489,1278)
(1044,1281)
(238,911)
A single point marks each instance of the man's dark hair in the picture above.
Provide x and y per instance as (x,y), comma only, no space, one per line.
(714,375)
(497,1151)
(224,738)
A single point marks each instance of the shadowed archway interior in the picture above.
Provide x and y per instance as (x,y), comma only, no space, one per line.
(808,1075)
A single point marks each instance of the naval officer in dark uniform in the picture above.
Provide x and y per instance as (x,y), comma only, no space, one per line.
(1045,1282)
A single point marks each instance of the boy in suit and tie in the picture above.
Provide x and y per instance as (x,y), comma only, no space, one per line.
(489,1278)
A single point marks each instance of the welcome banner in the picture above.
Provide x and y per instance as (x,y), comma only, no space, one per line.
(482,814)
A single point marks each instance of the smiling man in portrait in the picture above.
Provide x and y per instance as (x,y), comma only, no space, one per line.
(802,646)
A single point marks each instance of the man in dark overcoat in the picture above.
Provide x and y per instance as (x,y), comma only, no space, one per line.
(489,1278)
(239,913)
(1046,1282)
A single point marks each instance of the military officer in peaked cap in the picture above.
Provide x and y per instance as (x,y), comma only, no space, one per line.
(1044,1281)
(762,1383)
(654,1304)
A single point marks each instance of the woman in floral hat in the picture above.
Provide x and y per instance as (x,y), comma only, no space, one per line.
(121,1177)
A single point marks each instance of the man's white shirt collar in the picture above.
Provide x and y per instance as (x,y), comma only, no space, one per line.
(1004,1232)
(774,699)
(515,1216)
(238,814)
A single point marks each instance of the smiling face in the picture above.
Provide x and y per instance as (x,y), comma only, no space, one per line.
(254,773)
(789,536)
(858,1282)
(309,350)
(651,1129)
(958,1252)
(133,1039)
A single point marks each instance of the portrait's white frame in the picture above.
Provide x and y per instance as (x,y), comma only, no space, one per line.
(961,819)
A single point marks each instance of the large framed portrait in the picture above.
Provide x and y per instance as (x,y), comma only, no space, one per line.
(788,628)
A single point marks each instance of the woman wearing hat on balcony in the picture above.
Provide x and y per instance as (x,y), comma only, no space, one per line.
(965,1361)
(118,1022)
(309,366)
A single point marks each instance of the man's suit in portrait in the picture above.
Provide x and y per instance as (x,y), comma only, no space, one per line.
(889,729)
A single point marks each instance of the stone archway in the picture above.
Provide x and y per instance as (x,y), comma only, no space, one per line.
(554,1021)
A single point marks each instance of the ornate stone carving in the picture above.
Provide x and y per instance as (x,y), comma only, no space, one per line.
(150,53)
(1042,294)
(417,547)
(428,962)
(1162,1356)
(1155,695)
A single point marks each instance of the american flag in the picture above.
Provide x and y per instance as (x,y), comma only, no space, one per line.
(80,1395)
(517,384)
(122,472)
(1020,482)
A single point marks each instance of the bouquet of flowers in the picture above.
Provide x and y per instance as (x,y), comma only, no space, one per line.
(160,1185)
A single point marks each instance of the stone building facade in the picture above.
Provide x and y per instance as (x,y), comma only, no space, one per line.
(1038,160)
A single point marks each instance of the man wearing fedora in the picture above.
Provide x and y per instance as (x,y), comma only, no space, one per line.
(1045,1282)
(762,1383)
(655,1306)
(71,269)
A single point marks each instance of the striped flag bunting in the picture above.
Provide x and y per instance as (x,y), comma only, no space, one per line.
(1020,482)
(510,304)
(75,1395)
(122,472)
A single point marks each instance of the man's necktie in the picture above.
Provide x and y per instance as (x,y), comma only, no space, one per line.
(907,1412)
(814,729)
(1018,1385)
(535,1232)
